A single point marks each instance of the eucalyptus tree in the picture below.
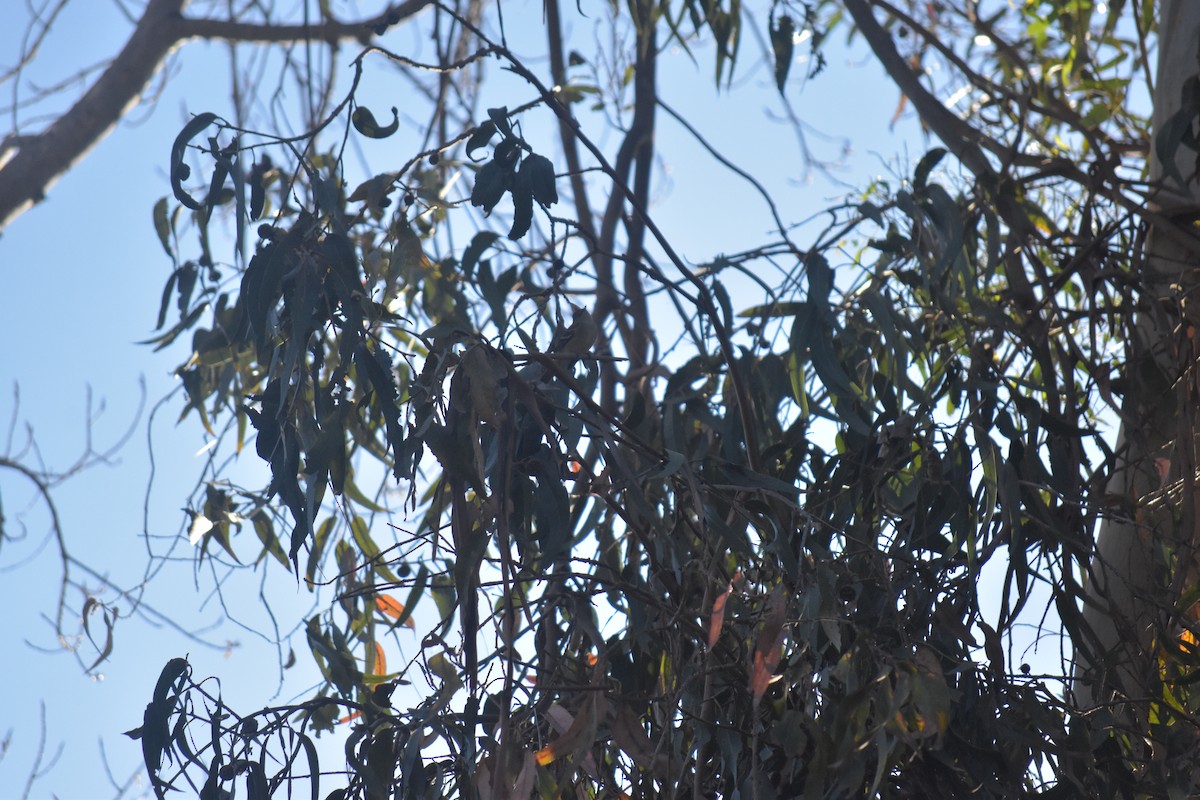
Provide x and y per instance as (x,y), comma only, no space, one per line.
(1141,602)
(744,560)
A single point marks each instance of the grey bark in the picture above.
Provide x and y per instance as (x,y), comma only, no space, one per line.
(1134,586)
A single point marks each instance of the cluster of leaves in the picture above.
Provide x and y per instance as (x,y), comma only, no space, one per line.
(525,179)
(750,571)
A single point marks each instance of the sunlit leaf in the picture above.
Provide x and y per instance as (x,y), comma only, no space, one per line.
(716,619)
(393,608)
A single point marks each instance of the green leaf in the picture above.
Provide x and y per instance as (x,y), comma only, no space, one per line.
(539,173)
(726,305)
(320,540)
(551,508)
(370,550)
(354,493)
(820,278)
(522,195)
(480,138)
(499,118)
(871,211)
(491,182)
(375,368)
(788,309)
(180,171)
(265,530)
(337,662)
(479,243)
(444,597)
(110,620)
(258,190)
(739,475)
(782,44)
(364,123)
(216,186)
(165,301)
(926,165)
(162,226)
(414,596)
(165,339)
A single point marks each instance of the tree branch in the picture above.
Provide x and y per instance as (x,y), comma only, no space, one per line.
(959,137)
(268,33)
(30,165)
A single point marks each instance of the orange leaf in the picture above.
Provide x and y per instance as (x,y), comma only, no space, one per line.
(389,606)
(380,667)
(716,620)
(350,716)
(760,676)
(899,112)
(575,733)
(769,647)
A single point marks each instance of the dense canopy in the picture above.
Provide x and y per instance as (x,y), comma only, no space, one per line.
(652,527)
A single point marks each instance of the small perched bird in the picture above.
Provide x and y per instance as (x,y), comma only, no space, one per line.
(578,338)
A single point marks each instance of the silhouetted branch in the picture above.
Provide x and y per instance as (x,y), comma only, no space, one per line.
(31,164)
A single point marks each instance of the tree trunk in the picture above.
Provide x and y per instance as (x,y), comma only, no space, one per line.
(1143,559)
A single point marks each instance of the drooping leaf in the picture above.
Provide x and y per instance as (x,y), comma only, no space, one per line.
(782,44)
(278,444)
(110,620)
(378,372)
(577,731)
(499,118)
(256,782)
(165,302)
(783,309)
(379,667)
(162,226)
(491,182)
(180,171)
(156,736)
(480,138)
(768,646)
(540,178)
(164,340)
(258,188)
(391,607)
(716,617)
(926,166)
(337,662)
(522,195)
(551,508)
(479,243)
(364,123)
(265,531)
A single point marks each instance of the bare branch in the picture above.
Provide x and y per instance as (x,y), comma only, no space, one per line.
(269,33)
(958,136)
(31,164)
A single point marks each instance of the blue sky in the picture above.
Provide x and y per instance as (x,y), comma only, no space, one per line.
(83,273)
